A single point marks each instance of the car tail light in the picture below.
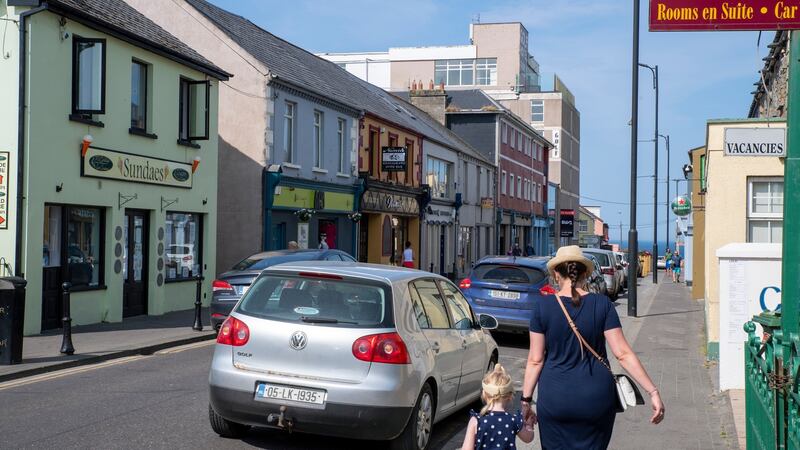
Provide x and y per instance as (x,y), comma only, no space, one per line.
(386,348)
(233,332)
(217,315)
(326,276)
(219,285)
(608,271)
(466,283)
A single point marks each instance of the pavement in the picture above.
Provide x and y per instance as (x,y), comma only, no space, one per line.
(106,341)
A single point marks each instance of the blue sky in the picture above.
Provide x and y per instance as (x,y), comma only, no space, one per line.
(588,43)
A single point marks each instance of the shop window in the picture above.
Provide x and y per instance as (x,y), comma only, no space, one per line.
(183,242)
(193,110)
(537,110)
(765,210)
(73,239)
(139,100)
(88,76)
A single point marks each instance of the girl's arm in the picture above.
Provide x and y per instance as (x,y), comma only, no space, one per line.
(532,372)
(472,432)
(630,362)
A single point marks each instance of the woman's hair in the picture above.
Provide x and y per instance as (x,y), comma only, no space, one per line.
(575,272)
(408,244)
(497,388)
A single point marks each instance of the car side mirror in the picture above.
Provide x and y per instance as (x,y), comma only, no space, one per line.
(487,322)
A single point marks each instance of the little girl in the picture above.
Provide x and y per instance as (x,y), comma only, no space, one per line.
(494,427)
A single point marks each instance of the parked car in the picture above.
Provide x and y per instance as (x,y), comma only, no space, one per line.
(356,350)
(180,257)
(611,269)
(506,287)
(229,287)
(596,283)
(661,263)
(622,258)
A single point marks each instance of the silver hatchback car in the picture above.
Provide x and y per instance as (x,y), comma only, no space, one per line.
(351,350)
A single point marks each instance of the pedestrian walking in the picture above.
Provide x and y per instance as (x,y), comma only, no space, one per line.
(516,250)
(529,251)
(577,397)
(495,426)
(668,260)
(323,242)
(408,256)
(677,263)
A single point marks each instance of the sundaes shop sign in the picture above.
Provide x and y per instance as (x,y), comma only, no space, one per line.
(103,163)
(755,141)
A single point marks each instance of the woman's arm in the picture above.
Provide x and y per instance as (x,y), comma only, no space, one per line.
(630,362)
(472,432)
(532,371)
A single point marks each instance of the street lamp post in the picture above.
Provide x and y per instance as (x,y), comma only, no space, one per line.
(666,232)
(633,235)
(654,70)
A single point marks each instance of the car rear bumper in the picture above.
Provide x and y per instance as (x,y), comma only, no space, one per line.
(507,318)
(341,420)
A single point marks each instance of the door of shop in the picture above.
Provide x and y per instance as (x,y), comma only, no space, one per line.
(134,264)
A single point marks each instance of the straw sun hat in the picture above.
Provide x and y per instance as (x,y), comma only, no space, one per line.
(570,253)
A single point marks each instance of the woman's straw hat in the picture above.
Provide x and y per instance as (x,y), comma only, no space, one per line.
(570,253)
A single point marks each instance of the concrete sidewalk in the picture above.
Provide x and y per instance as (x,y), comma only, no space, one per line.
(104,341)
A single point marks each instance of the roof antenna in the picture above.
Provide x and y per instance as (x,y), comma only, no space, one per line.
(476,18)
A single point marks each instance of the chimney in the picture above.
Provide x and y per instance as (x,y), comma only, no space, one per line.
(433,101)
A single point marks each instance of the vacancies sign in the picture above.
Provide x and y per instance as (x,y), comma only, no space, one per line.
(719,15)
(104,163)
(755,142)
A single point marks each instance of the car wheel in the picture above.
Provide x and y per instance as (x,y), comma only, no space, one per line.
(224,427)
(614,296)
(417,434)
(492,363)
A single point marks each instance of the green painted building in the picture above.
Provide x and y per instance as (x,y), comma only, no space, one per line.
(109,129)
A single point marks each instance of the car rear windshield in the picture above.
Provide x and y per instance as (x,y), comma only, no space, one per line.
(263,263)
(602,258)
(319,301)
(507,274)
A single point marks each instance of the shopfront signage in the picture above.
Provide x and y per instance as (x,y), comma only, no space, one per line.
(567,223)
(487,202)
(385,202)
(104,163)
(393,159)
(755,142)
(682,206)
(723,15)
(4,163)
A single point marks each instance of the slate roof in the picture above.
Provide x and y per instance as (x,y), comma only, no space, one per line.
(297,67)
(122,19)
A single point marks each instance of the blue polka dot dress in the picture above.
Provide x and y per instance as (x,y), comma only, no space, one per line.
(497,430)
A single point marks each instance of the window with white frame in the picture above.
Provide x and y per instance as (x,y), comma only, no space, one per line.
(503,184)
(319,141)
(537,110)
(486,71)
(342,143)
(765,210)
(288,131)
(583,226)
(455,72)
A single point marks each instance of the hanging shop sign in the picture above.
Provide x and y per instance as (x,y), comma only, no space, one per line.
(755,142)
(567,223)
(682,206)
(104,163)
(487,202)
(4,163)
(723,15)
(393,159)
(385,202)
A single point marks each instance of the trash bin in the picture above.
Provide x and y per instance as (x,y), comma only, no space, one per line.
(12,319)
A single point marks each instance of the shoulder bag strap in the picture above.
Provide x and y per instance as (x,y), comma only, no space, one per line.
(581,340)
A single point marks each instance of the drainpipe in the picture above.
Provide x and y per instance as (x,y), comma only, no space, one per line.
(456,222)
(21,134)
(357,193)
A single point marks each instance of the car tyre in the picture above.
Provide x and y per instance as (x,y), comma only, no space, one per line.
(417,434)
(614,296)
(225,427)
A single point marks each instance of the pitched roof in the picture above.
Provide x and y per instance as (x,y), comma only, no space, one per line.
(118,18)
(297,67)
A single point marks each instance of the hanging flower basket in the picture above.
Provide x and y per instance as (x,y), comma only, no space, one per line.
(304,214)
(355,217)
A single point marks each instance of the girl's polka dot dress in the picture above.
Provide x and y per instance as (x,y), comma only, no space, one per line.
(497,430)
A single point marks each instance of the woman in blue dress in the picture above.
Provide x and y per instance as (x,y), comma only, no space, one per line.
(577,397)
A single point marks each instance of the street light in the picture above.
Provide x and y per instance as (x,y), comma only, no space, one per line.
(666,232)
(654,70)
(633,235)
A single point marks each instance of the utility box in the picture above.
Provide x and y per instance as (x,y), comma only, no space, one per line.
(12,319)
(749,284)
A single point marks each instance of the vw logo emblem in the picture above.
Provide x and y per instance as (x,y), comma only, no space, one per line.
(298,340)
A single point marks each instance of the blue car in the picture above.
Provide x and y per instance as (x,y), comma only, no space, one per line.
(506,287)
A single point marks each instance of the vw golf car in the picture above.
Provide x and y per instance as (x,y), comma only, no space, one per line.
(351,350)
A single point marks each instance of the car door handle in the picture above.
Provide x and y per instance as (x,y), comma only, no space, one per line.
(435,347)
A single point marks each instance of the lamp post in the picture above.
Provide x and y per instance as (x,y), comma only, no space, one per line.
(666,232)
(654,70)
(633,235)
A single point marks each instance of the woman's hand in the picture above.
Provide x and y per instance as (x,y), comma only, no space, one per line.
(528,416)
(658,408)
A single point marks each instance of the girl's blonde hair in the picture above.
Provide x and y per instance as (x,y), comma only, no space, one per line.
(497,388)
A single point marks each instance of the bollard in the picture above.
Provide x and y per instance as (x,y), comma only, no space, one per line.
(198,321)
(66,322)
(431,271)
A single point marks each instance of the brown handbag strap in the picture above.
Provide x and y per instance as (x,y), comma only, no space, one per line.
(582,341)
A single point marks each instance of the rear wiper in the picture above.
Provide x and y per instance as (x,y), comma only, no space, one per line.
(308,319)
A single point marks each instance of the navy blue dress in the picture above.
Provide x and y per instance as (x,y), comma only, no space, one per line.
(497,430)
(576,394)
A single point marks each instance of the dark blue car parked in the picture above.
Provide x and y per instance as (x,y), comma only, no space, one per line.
(506,287)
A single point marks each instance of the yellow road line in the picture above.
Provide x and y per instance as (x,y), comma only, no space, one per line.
(66,372)
(183,348)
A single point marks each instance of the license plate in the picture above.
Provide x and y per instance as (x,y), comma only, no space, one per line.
(241,290)
(505,295)
(277,393)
